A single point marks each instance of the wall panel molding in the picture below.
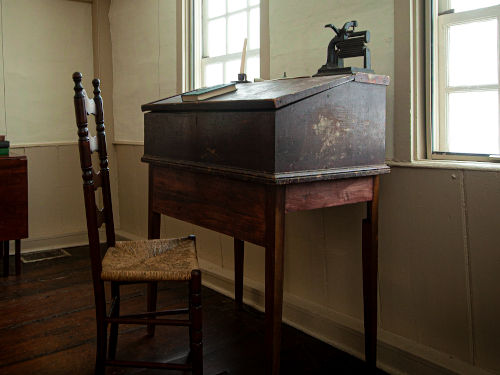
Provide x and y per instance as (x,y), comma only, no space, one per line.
(43,144)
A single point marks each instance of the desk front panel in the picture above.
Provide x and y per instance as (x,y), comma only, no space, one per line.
(230,206)
(236,207)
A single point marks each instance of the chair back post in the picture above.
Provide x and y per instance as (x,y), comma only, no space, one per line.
(103,162)
(88,177)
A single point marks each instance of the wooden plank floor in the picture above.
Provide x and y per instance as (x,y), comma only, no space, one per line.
(47,326)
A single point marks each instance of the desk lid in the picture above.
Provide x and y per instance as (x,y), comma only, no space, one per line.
(272,94)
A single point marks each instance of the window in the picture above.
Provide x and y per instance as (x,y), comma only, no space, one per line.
(465,120)
(224,26)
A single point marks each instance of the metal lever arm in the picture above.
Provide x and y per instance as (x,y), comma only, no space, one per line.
(332,26)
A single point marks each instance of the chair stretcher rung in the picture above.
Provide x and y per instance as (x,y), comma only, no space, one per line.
(142,364)
(156,313)
(161,322)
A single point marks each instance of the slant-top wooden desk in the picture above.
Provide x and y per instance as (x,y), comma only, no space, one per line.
(239,162)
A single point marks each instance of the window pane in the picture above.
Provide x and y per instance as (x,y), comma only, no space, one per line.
(467,48)
(216,42)
(253,2)
(216,8)
(234,5)
(232,70)
(254,41)
(213,74)
(237,32)
(463,5)
(473,122)
(253,68)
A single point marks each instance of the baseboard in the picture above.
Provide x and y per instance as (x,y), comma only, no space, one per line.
(127,235)
(395,354)
(66,240)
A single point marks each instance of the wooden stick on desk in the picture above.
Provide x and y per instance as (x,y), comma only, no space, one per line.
(243,57)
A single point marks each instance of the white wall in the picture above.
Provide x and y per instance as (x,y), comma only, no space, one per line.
(44,42)
(144,40)
(3,128)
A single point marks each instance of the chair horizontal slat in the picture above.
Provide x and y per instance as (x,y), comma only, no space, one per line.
(96,176)
(100,217)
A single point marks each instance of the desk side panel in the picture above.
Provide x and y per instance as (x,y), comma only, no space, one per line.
(229,206)
(13,198)
(242,140)
(319,194)
(339,128)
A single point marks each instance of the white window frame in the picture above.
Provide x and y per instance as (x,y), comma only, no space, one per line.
(201,59)
(437,104)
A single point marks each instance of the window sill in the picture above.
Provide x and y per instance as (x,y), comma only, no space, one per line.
(447,164)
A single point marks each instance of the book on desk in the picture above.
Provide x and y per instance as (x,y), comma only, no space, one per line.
(208,92)
(4,146)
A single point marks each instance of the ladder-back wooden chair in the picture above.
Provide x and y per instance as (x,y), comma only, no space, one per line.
(125,262)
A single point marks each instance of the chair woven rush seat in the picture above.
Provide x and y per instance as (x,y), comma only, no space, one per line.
(150,260)
(125,262)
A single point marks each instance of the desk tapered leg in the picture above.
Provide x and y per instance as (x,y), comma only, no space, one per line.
(239,256)
(370,265)
(275,236)
(152,289)
(154,223)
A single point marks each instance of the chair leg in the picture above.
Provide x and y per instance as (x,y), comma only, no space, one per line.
(113,332)
(1,254)
(195,331)
(18,257)
(152,291)
(100,306)
(5,258)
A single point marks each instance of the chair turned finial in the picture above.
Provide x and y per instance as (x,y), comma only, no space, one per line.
(99,122)
(96,83)
(77,78)
(99,112)
(83,131)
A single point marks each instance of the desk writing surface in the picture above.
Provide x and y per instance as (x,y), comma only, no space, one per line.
(259,95)
(271,94)
(278,131)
